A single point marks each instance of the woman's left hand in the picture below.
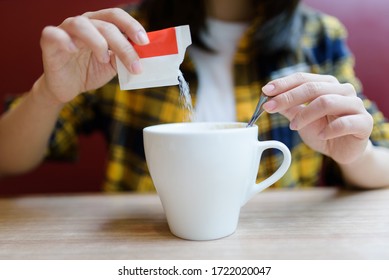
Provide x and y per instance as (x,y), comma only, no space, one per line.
(328,115)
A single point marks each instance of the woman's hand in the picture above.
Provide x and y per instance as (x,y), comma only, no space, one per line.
(328,115)
(78,54)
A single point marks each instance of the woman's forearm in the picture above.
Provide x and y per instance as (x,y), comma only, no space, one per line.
(26,129)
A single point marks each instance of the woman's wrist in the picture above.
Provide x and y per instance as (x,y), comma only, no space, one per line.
(365,155)
(43,97)
(366,170)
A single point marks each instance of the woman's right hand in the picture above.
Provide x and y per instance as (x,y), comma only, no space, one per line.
(78,55)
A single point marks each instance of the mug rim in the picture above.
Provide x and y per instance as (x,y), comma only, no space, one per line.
(171,128)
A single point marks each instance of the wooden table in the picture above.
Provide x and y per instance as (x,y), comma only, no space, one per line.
(320,223)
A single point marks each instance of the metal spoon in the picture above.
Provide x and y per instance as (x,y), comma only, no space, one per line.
(258,110)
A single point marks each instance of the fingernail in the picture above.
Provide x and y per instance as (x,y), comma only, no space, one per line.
(268,88)
(270,106)
(293,125)
(136,67)
(142,37)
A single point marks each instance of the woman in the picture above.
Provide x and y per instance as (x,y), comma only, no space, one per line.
(294,55)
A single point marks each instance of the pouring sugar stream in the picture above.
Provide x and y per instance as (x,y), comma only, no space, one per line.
(160,60)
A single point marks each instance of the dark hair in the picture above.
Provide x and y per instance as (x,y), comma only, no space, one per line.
(277,32)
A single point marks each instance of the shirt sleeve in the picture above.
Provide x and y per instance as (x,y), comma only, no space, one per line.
(87,113)
(76,117)
(333,48)
(332,56)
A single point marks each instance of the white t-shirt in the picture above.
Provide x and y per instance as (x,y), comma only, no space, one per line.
(215,96)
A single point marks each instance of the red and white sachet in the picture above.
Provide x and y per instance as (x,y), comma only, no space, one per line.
(160,59)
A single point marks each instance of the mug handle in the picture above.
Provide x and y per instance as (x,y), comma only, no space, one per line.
(264,145)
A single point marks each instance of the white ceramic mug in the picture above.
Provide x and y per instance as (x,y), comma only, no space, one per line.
(205,172)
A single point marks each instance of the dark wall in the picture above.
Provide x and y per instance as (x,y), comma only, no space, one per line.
(21,24)
(22,21)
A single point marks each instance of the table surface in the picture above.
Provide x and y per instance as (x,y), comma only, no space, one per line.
(319,223)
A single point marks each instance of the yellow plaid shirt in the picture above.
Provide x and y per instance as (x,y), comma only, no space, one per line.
(122,115)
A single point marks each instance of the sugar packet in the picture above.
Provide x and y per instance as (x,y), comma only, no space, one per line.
(160,59)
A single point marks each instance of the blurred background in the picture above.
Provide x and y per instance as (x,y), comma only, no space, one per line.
(21,24)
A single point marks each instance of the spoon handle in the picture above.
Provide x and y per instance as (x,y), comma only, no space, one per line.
(258,110)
